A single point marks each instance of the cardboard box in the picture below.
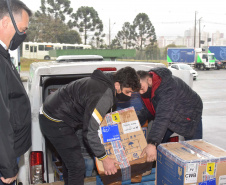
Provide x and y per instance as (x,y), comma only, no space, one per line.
(124,141)
(194,162)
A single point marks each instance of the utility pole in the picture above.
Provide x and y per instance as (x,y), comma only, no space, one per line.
(109,33)
(195,30)
(199,33)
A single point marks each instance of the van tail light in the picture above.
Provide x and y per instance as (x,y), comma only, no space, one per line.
(107,68)
(174,139)
(36,167)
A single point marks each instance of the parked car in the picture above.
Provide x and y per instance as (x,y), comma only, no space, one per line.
(218,65)
(184,67)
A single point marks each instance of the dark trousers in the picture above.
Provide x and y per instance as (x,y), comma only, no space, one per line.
(66,143)
(198,134)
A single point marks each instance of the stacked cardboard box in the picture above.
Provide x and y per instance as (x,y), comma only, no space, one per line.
(194,162)
(124,141)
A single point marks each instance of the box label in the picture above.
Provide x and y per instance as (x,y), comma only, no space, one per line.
(222,180)
(209,182)
(191,173)
(110,133)
(115,117)
(132,126)
(210,168)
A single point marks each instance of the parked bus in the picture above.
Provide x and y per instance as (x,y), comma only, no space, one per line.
(40,50)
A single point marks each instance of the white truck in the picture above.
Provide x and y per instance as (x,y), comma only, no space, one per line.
(44,78)
(191,56)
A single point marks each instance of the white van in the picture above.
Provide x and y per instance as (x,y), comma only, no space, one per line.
(44,78)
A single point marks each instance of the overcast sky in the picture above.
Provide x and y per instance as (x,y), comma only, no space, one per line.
(169,17)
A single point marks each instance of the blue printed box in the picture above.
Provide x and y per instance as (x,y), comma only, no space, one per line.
(194,162)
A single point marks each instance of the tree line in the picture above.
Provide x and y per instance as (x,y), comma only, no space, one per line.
(57,22)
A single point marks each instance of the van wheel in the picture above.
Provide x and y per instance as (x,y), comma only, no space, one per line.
(46,58)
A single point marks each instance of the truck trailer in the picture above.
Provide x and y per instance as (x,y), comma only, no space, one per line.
(191,56)
(219,53)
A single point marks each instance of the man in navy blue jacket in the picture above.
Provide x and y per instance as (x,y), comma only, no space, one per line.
(173,106)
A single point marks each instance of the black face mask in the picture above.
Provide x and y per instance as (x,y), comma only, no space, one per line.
(17,40)
(147,94)
(19,37)
(122,97)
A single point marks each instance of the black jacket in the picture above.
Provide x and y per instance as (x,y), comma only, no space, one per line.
(15,117)
(84,103)
(177,107)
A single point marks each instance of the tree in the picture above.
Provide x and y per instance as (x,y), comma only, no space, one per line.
(47,25)
(153,52)
(45,28)
(125,37)
(144,31)
(70,37)
(56,8)
(87,21)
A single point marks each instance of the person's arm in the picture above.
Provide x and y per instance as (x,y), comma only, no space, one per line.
(8,163)
(94,115)
(160,124)
(144,115)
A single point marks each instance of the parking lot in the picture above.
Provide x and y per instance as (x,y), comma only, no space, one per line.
(211,86)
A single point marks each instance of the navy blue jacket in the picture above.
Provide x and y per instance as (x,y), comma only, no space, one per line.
(177,107)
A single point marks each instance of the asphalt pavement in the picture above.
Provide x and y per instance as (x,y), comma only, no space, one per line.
(211,86)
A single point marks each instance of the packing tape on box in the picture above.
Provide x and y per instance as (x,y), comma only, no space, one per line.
(120,154)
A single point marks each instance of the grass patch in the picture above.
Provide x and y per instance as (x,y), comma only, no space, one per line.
(26,62)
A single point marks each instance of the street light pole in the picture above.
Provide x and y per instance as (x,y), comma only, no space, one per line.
(199,33)
(195,30)
(109,33)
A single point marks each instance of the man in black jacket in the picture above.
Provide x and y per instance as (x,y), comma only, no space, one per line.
(15,113)
(83,104)
(173,106)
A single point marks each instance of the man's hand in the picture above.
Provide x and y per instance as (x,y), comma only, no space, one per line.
(9,180)
(109,166)
(151,152)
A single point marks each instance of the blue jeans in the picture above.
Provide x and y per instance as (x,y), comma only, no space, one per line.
(13,183)
(197,135)
(89,162)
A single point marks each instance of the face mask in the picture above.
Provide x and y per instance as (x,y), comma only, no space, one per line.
(147,94)
(19,37)
(122,97)
(17,40)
